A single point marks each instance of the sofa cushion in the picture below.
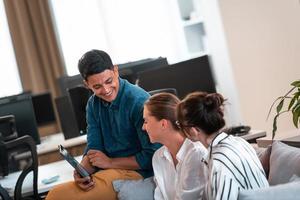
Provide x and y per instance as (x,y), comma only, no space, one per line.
(284,163)
(288,191)
(135,189)
(264,157)
(294,178)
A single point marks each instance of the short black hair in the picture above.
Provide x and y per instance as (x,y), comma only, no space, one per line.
(94,62)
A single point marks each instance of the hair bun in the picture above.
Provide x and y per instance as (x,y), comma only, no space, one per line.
(213,101)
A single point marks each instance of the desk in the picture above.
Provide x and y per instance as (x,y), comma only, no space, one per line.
(290,137)
(61,168)
(253,135)
(48,151)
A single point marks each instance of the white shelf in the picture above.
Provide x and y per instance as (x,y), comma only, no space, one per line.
(192,22)
(197,54)
(191,25)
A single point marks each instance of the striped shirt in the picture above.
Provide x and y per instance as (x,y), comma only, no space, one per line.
(233,166)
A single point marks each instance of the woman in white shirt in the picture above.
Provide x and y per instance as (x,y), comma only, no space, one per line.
(178,170)
(232,162)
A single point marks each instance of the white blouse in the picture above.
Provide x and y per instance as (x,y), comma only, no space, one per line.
(187,179)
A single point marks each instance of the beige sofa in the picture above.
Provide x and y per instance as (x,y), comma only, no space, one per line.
(281,163)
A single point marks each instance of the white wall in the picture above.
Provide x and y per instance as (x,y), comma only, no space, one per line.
(221,65)
(263,40)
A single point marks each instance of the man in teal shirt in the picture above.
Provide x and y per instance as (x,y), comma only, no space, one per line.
(116,143)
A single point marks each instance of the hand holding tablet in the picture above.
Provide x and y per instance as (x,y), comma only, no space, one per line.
(73,162)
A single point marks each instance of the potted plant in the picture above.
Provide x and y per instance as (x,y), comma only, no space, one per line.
(293,100)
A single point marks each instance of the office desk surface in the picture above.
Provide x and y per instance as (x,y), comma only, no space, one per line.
(61,168)
(254,134)
(291,136)
(48,149)
(50,143)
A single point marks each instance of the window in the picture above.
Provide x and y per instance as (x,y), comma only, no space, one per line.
(9,75)
(128,30)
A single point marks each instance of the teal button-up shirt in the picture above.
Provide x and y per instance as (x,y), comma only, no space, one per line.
(116,128)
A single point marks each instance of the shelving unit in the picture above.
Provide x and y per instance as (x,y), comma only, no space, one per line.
(192,25)
(192,22)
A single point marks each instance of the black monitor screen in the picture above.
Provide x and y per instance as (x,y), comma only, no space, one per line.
(21,107)
(43,108)
(187,76)
(7,128)
(67,82)
(130,70)
(79,97)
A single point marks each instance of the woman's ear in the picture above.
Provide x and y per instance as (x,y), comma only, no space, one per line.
(198,135)
(194,131)
(164,123)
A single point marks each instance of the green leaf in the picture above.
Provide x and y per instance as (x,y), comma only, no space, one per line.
(296,93)
(296,83)
(279,106)
(274,126)
(296,119)
(296,96)
(292,102)
(296,115)
(275,123)
(273,105)
(296,107)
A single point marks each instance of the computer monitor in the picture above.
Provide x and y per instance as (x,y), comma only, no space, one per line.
(130,70)
(71,110)
(66,117)
(43,108)
(79,97)
(8,129)
(187,76)
(66,82)
(20,106)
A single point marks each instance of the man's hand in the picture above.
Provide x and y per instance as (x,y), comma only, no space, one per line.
(99,159)
(85,183)
(85,163)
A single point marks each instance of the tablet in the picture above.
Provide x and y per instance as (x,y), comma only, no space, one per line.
(73,162)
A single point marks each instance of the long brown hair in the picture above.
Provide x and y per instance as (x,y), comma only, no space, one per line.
(163,106)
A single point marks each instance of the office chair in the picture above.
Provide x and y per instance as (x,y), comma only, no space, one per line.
(24,142)
(168,90)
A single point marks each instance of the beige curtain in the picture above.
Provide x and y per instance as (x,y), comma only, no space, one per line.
(36,48)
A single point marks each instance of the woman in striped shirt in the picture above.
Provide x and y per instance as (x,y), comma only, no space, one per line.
(232,162)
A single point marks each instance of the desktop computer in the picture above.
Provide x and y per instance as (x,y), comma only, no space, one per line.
(71,111)
(186,77)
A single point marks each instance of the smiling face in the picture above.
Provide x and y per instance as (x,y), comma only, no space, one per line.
(105,85)
(152,126)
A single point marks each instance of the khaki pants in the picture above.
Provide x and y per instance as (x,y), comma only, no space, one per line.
(103,189)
